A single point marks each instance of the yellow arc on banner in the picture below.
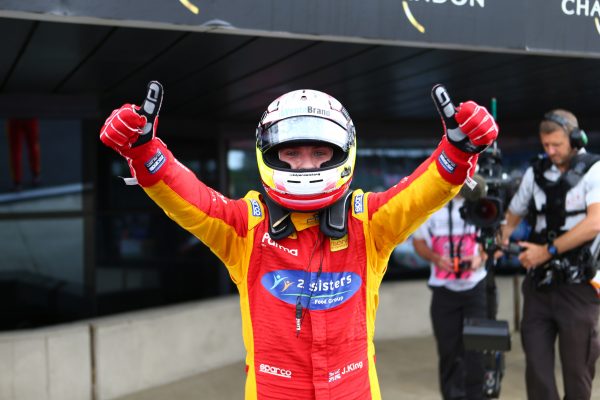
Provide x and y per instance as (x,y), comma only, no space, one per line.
(411,18)
(187,4)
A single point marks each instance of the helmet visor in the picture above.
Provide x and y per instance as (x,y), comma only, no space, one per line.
(304,128)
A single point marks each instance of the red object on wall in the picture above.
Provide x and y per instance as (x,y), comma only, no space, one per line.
(24,130)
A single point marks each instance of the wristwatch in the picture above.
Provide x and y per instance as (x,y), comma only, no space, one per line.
(552,249)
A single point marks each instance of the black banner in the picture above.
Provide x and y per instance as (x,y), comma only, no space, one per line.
(536,26)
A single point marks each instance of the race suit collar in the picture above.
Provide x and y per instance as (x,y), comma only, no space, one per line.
(302,221)
(333,220)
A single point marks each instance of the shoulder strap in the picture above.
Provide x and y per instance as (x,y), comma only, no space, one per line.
(540,165)
(580,165)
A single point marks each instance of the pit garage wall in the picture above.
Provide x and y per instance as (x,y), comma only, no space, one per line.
(111,357)
(560,27)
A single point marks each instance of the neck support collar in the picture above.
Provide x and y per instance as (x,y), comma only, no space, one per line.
(333,220)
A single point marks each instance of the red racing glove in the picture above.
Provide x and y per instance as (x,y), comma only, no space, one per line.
(123,128)
(477,124)
(131,131)
(468,130)
(130,125)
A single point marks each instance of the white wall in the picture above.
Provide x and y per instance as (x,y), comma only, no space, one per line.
(137,351)
(46,364)
(140,350)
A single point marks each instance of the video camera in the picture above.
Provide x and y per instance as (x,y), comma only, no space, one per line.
(484,208)
(485,204)
(485,212)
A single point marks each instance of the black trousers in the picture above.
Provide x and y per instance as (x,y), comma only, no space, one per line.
(569,312)
(460,372)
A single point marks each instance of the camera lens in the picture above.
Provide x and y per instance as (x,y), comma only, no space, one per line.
(486,211)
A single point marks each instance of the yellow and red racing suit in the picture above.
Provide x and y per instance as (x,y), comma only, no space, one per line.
(336,280)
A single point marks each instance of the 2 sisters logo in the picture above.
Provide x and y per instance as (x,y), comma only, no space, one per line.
(457,3)
(583,8)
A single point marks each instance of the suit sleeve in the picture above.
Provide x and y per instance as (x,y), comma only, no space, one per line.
(220,223)
(399,211)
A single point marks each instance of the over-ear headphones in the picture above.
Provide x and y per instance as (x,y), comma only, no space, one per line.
(577,137)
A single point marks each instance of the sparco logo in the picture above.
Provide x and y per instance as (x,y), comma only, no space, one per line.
(585,8)
(255,208)
(358,204)
(267,239)
(268,369)
(446,163)
(421,28)
(155,162)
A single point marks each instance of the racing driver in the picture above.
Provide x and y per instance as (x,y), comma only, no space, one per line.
(309,254)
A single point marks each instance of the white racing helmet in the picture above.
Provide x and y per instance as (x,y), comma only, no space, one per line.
(305,117)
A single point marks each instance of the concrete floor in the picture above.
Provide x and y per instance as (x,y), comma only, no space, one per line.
(407,370)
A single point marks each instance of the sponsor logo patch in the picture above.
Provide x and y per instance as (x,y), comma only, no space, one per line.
(338,244)
(358,204)
(314,219)
(269,369)
(256,211)
(329,289)
(446,163)
(266,239)
(157,161)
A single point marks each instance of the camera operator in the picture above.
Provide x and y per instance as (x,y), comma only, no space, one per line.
(563,189)
(458,291)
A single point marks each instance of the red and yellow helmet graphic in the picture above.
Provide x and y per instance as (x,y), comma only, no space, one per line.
(304,117)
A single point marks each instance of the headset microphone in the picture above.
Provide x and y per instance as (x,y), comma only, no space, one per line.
(577,136)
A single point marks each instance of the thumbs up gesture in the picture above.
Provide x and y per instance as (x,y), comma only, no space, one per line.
(130,126)
(469,127)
